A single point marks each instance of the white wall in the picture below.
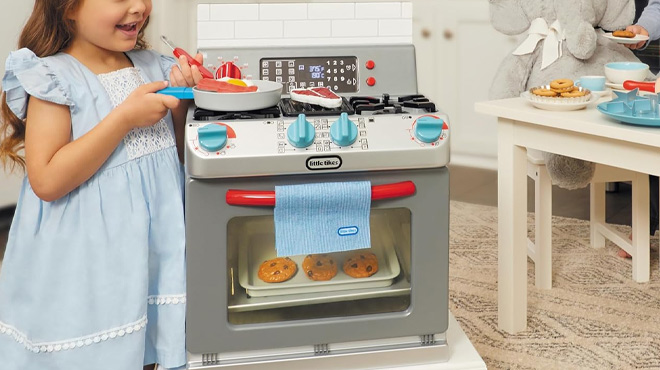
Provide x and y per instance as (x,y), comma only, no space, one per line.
(11,23)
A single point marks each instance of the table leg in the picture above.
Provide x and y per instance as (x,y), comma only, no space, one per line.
(640,233)
(512,230)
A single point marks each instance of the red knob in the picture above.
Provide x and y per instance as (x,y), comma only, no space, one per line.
(371,81)
(228,69)
(370,64)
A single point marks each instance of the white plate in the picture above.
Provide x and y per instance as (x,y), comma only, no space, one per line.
(560,106)
(626,40)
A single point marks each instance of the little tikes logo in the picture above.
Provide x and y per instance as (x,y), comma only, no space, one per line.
(331,162)
(348,230)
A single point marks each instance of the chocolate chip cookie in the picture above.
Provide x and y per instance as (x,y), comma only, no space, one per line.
(361,264)
(277,270)
(319,267)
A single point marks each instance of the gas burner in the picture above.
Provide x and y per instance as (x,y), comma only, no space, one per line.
(209,115)
(292,108)
(387,105)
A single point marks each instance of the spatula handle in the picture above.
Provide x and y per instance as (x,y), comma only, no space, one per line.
(644,86)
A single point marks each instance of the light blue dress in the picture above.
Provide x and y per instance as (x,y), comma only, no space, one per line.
(96,279)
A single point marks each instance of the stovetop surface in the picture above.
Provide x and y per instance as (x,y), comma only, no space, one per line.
(359,105)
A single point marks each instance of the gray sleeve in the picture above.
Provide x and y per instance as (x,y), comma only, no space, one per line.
(650,19)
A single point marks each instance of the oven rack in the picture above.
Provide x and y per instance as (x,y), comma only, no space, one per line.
(241,302)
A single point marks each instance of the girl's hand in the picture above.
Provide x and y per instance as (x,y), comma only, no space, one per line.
(186,75)
(637,30)
(143,107)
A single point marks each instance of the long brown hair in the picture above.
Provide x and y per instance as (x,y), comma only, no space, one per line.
(47,32)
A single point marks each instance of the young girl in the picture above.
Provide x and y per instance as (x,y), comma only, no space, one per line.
(93,275)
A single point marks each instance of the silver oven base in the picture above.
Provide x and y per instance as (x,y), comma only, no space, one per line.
(371,354)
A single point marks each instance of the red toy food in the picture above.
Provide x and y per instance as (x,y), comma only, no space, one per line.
(322,96)
(209,84)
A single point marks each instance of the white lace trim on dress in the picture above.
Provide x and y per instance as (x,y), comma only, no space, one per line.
(167,299)
(63,345)
(140,140)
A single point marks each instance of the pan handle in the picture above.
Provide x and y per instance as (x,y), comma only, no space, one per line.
(644,86)
(177,92)
(236,197)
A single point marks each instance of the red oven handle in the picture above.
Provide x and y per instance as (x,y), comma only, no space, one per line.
(236,197)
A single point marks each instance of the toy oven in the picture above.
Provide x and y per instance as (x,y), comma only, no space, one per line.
(228,323)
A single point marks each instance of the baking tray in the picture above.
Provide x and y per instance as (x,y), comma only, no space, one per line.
(259,247)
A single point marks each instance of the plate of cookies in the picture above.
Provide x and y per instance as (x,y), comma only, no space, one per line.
(262,273)
(559,95)
(625,37)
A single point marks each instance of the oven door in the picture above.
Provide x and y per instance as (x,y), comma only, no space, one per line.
(230,310)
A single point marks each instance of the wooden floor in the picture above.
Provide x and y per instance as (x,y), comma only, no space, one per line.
(480,186)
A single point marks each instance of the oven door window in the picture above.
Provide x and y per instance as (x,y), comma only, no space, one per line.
(251,241)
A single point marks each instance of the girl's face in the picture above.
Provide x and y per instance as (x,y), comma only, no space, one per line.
(110,24)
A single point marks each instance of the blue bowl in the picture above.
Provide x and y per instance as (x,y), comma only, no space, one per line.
(618,72)
(627,66)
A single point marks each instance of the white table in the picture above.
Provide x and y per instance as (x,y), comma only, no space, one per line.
(585,134)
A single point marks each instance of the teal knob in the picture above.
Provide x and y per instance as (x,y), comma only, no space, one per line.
(343,132)
(212,137)
(428,129)
(301,133)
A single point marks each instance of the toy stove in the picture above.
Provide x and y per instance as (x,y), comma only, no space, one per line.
(384,132)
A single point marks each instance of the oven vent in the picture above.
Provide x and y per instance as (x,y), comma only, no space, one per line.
(210,359)
(321,349)
(427,339)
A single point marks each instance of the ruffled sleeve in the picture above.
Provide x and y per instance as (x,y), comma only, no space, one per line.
(26,74)
(166,64)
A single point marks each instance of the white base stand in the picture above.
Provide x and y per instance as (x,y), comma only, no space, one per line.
(457,354)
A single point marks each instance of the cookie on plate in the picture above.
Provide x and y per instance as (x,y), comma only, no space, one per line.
(277,270)
(319,267)
(623,33)
(361,264)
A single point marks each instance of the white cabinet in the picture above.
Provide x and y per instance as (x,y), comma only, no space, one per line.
(458,53)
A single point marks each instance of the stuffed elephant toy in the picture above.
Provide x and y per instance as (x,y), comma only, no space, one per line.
(562,41)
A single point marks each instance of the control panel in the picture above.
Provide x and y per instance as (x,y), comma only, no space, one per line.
(282,145)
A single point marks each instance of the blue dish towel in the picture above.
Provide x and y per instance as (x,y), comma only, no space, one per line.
(322,217)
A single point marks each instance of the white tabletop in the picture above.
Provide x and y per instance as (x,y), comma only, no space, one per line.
(588,120)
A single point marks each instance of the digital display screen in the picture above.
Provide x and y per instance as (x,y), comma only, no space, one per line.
(340,74)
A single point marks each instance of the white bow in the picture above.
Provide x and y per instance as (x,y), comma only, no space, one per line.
(553,35)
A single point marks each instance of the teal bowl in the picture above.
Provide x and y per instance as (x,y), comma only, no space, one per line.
(618,72)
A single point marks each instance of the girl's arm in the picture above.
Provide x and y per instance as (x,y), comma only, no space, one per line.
(183,75)
(56,165)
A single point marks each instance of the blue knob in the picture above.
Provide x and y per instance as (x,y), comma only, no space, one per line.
(212,137)
(343,132)
(428,129)
(301,132)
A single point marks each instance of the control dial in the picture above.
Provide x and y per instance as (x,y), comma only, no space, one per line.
(212,137)
(301,133)
(428,128)
(228,69)
(343,131)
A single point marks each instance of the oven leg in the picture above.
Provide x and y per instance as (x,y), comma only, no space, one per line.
(512,230)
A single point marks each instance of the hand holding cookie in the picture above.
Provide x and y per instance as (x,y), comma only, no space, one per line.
(635,30)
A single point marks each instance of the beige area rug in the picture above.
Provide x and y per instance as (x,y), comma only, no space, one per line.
(594,317)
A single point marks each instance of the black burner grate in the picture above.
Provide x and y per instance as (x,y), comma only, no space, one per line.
(387,105)
(209,115)
(292,108)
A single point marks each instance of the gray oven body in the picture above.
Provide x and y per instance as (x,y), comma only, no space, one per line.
(207,217)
